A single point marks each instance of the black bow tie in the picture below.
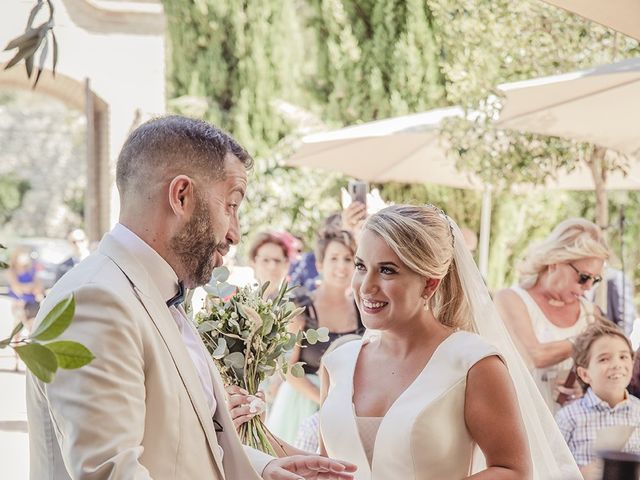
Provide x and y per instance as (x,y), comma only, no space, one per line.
(178,298)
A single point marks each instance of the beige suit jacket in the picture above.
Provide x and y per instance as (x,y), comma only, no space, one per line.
(138,410)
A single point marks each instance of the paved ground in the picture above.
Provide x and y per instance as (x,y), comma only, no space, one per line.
(14,447)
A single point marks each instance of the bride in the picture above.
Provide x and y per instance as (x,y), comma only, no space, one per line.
(436,390)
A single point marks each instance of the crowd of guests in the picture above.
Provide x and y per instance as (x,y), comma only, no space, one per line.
(580,357)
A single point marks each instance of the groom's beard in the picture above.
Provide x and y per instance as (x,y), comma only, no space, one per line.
(195,248)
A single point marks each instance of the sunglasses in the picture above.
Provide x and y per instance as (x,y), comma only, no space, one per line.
(583,278)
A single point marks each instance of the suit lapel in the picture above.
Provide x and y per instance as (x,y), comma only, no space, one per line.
(166,325)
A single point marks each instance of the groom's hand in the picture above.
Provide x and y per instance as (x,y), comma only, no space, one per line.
(308,467)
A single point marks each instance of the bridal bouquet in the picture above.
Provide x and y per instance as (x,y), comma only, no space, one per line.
(247,336)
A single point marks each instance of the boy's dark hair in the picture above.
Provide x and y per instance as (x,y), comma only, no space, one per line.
(584,342)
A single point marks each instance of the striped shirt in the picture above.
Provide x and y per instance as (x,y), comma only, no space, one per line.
(581,420)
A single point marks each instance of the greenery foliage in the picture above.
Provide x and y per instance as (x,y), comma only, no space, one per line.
(378,58)
(41,353)
(34,40)
(249,338)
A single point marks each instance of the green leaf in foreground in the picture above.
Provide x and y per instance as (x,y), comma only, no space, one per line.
(56,321)
(39,360)
(70,355)
(220,274)
(312,336)
(297,370)
(4,343)
(323,334)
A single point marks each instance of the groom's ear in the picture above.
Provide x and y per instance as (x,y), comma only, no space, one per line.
(181,195)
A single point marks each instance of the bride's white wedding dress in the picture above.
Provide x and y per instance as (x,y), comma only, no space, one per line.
(423,436)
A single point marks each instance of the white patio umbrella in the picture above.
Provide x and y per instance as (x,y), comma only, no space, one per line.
(621,15)
(403,149)
(599,105)
(628,178)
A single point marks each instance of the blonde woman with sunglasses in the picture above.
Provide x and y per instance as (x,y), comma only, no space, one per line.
(548,308)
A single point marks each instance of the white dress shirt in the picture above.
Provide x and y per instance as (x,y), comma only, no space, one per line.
(165,279)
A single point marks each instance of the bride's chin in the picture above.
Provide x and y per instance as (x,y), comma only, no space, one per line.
(372,322)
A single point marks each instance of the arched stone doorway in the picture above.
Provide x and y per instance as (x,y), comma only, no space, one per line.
(79,96)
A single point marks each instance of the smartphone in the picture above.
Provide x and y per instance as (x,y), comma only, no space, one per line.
(358,191)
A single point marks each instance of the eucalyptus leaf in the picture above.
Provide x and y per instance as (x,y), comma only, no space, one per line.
(296,312)
(43,57)
(323,334)
(34,12)
(55,52)
(70,355)
(220,350)
(39,360)
(211,289)
(235,360)
(264,287)
(4,265)
(291,342)
(29,36)
(207,326)
(226,290)
(281,292)
(297,370)
(56,321)
(267,326)
(220,274)
(312,336)
(25,50)
(28,64)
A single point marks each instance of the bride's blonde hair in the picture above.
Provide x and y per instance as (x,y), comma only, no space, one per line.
(422,237)
(572,239)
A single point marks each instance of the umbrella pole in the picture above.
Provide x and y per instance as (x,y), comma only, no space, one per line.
(485,226)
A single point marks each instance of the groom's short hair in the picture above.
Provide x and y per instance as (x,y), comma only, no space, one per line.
(169,146)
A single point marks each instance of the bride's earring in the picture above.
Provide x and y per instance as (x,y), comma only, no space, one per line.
(425,305)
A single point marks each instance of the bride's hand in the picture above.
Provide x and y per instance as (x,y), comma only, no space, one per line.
(242,406)
(309,467)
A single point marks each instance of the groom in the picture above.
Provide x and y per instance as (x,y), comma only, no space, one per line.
(151,404)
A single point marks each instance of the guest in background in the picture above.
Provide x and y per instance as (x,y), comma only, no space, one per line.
(304,271)
(604,360)
(332,306)
(269,258)
(547,309)
(25,290)
(80,247)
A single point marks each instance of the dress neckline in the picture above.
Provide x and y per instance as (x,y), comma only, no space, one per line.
(411,385)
